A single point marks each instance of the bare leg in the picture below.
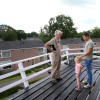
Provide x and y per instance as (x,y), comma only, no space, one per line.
(78,82)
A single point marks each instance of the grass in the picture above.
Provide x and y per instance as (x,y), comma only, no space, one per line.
(14,77)
(98,54)
(7,95)
(3,98)
(18,76)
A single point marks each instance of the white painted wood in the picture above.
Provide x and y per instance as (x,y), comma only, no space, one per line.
(75,53)
(50,56)
(23,74)
(10,85)
(67,53)
(38,73)
(96,56)
(22,69)
(36,65)
(16,62)
(63,55)
(8,74)
(64,61)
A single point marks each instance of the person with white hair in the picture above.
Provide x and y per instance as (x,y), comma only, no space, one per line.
(54,46)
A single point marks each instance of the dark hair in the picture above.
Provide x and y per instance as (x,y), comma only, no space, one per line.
(86,34)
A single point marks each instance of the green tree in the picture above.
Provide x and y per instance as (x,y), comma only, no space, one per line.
(44,37)
(60,22)
(9,35)
(4,28)
(95,33)
(79,35)
(32,34)
(21,34)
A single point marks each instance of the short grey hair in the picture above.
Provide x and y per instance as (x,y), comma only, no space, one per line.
(57,32)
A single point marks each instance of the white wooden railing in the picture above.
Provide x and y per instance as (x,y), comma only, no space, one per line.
(24,79)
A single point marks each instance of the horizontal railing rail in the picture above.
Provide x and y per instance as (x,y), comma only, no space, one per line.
(24,79)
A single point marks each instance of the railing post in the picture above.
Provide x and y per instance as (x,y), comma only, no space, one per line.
(23,75)
(50,56)
(67,52)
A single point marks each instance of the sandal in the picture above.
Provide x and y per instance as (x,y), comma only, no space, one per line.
(77,89)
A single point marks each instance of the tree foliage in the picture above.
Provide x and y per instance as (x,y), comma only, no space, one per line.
(95,33)
(60,22)
(21,34)
(32,34)
(9,35)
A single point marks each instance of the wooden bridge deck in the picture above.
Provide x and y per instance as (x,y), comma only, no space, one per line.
(63,90)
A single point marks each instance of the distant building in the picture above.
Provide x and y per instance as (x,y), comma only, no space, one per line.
(17,50)
(73,43)
(31,38)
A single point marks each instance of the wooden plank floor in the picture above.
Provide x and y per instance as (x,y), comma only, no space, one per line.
(63,90)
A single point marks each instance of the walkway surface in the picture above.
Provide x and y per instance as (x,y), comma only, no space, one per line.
(63,90)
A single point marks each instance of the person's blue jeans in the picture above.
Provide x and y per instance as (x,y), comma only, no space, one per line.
(88,65)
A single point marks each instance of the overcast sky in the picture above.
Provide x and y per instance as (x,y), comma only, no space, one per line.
(31,15)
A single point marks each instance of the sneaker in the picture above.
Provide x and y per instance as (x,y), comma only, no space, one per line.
(85,82)
(58,79)
(77,89)
(87,86)
(54,81)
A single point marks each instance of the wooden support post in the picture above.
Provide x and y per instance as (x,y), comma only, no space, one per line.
(67,52)
(23,74)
